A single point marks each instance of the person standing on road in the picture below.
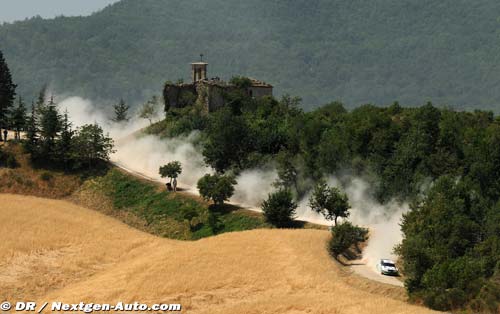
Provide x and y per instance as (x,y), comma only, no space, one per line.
(174,184)
(5,133)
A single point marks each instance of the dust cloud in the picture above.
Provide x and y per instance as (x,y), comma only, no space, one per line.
(144,154)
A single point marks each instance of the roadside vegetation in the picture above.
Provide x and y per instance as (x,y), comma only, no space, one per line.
(403,154)
(167,214)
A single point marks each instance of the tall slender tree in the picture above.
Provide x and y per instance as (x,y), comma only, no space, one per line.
(40,102)
(19,118)
(7,93)
(32,130)
(65,142)
(50,126)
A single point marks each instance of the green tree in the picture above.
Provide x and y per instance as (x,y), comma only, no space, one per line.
(329,202)
(218,188)
(121,112)
(334,149)
(171,170)
(344,236)
(241,82)
(228,141)
(449,250)
(287,171)
(65,148)
(32,131)
(148,110)
(279,208)
(50,126)
(19,118)
(7,93)
(50,122)
(92,144)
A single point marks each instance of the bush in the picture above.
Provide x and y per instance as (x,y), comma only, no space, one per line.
(344,236)
(279,208)
(217,188)
(11,162)
(8,160)
(46,176)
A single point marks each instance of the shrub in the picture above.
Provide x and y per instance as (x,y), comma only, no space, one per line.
(344,236)
(218,188)
(11,162)
(46,176)
(8,160)
(279,208)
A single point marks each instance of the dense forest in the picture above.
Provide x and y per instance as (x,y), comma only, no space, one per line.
(354,51)
(446,162)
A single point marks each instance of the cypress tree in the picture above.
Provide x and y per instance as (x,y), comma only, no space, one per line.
(7,93)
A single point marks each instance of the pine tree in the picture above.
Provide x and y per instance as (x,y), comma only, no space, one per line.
(7,93)
(121,112)
(64,145)
(19,118)
(50,126)
(40,102)
(32,130)
(50,123)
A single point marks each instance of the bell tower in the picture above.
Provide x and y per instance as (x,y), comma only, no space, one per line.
(199,70)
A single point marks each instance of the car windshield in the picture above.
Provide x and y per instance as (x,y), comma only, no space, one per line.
(388,264)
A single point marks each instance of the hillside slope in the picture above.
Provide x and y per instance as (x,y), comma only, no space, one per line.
(72,254)
(355,51)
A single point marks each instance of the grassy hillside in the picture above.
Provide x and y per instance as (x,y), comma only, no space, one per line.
(148,207)
(142,204)
(90,257)
(356,51)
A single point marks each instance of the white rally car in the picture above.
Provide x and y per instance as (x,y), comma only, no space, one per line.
(387,267)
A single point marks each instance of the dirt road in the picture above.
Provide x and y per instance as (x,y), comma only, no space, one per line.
(368,272)
(363,270)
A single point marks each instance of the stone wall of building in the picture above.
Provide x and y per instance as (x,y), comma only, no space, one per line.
(179,95)
(258,91)
(211,94)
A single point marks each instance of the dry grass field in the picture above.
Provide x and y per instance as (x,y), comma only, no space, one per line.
(29,181)
(53,250)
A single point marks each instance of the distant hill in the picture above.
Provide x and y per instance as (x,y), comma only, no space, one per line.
(357,51)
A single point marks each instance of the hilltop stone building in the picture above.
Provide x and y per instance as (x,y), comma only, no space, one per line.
(207,92)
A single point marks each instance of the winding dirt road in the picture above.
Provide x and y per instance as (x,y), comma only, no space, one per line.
(362,269)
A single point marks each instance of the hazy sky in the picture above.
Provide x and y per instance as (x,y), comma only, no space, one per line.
(11,10)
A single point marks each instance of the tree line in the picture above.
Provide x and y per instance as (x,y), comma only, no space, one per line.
(48,134)
(445,162)
(376,51)
(51,139)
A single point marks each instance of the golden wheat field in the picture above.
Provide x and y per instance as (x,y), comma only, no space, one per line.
(55,251)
